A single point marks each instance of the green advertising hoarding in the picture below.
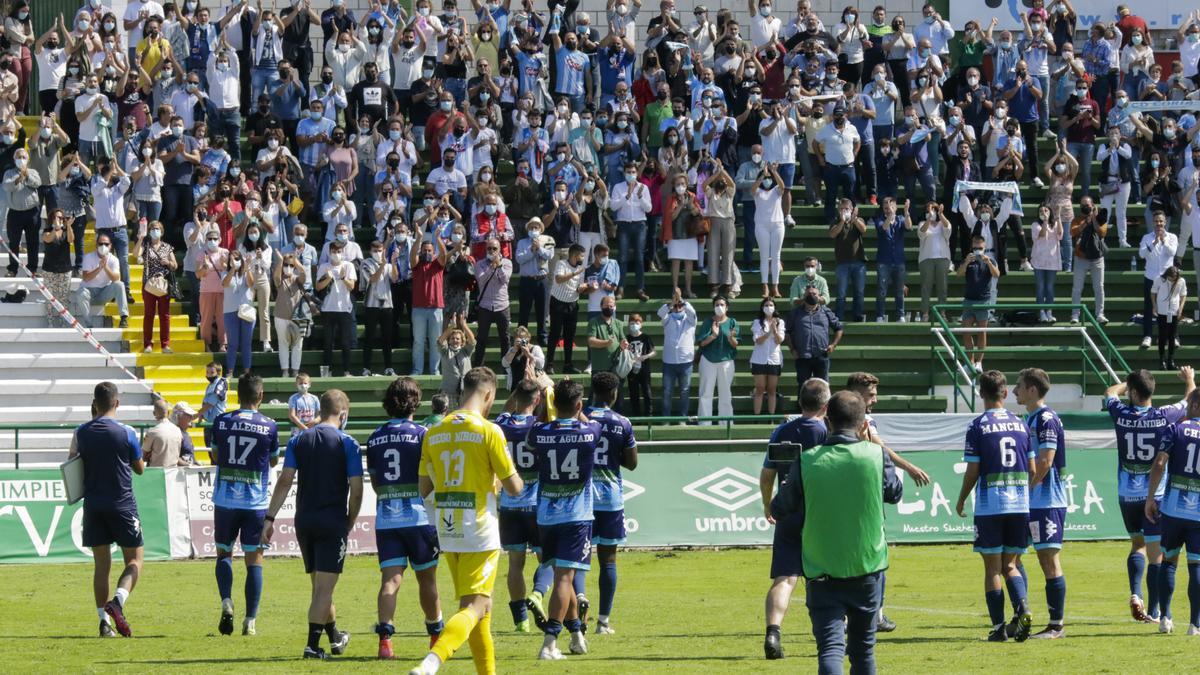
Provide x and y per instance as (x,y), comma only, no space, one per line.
(713,499)
(37,524)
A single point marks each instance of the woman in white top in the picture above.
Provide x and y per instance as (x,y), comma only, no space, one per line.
(719,190)
(850,34)
(147,179)
(934,256)
(1170,295)
(1136,59)
(260,259)
(768,228)
(237,283)
(1046,257)
(766,361)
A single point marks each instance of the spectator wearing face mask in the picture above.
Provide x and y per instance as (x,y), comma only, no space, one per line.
(717,340)
(809,279)
(238,292)
(1088,232)
(101,283)
(158,259)
(766,361)
(340,277)
(21,185)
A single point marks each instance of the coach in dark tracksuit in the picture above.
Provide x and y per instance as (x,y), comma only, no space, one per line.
(839,488)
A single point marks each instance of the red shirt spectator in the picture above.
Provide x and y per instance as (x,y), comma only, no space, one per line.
(654,182)
(774,75)
(433,134)
(427,283)
(491,227)
(223,212)
(1128,23)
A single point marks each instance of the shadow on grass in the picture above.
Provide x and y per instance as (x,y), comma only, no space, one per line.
(77,637)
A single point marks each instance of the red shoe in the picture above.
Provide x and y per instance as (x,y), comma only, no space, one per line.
(113,609)
(1138,610)
(385,649)
(874,200)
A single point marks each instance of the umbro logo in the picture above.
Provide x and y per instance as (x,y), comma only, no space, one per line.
(630,489)
(727,488)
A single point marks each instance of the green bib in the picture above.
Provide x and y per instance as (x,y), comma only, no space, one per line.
(843,506)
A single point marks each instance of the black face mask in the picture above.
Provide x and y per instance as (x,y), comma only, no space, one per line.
(393,163)
(810,300)
(607,311)
(210,378)
(371,77)
(447,163)
(327,78)
(1086,210)
(264,109)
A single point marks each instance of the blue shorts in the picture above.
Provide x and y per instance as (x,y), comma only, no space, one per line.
(408,546)
(1006,533)
(1046,527)
(105,528)
(567,544)
(1134,515)
(323,549)
(1178,533)
(787,173)
(227,523)
(786,558)
(608,529)
(519,530)
(980,315)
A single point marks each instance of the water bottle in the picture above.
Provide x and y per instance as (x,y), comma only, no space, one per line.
(1133,263)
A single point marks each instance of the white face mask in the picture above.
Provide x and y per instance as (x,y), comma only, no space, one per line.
(680,189)
(769,310)
(756,157)
(377,256)
(719,310)
(335,259)
(810,272)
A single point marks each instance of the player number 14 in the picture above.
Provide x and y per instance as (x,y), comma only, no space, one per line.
(570,463)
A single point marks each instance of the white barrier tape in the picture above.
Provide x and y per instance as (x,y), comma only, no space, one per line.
(66,315)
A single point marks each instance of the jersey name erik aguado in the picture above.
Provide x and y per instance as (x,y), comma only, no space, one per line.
(566,453)
(244,441)
(1140,433)
(998,441)
(616,437)
(1182,499)
(1047,434)
(516,433)
(393,458)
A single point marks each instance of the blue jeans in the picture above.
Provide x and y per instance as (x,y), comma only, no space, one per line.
(238,333)
(1083,152)
(120,248)
(846,273)
(90,151)
(576,102)
(231,126)
(924,176)
(891,279)
(631,237)
(427,326)
(149,210)
(1043,282)
(748,241)
(838,177)
(1043,103)
(842,613)
(262,80)
(677,376)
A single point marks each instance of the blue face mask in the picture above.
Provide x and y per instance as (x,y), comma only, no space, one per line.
(677,315)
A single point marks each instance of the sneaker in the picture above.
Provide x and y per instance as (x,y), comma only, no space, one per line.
(1145,342)
(168,350)
(267,348)
(902,319)
(578,644)
(534,604)
(880,319)
(522,626)
(338,648)
(318,653)
(366,372)
(584,605)
(642,295)
(791,222)
(1102,320)
(772,647)
(1166,625)
(106,630)
(427,667)
(388,372)
(248,628)
(1050,317)
(550,653)
(1193,630)
(124,323)
(385,649)
(604,628)
(1037,182)
(997,635)
(226,625)
(883,624)
(1026,267)
(977,366)
(1049,134)
(1050,632)
(1123,244)
(1137,609)
(1024,626)
(113,609)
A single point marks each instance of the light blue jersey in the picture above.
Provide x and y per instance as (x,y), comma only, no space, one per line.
(616,438)
(393,457)
(998,441)
(243,444)
(516,432)
(1182,499)
(571,68)
(306,407)
(565,452)
(1140,433)
(1048,434)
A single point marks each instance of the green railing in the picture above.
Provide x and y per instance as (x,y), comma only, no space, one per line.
(1103,359)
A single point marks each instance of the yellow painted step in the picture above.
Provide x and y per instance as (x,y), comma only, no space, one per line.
(148,361)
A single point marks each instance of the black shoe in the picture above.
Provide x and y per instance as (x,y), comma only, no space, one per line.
(124,322)
(106,631)
(226,624)
(584,606)
(1170,364)
(1024,627)
(539,617)
(549,369)
(1010,629)
(772,647)
(128,299)
(884,624)
(572,370)
(318,653)
(997,635)
(338,648)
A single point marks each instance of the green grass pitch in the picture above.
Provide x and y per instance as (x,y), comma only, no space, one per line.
(679,611)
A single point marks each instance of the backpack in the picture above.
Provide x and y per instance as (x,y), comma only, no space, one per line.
(1091,244)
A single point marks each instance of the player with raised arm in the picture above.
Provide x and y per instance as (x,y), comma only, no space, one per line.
(328,497)
(867,386)
(111,454)
(245,447)
(1178,515)
(404,535)
(1047,496)
(1140,428)
(615,449)
(787,565)
(1000,470)
(518,515)
(462,457)
(566,454)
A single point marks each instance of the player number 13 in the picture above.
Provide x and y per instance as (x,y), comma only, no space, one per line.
(454,464)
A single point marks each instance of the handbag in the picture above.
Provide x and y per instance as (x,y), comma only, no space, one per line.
(158,286)
(295,206)
(699,226)
(624,363)
(1110,187)
(247,313)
